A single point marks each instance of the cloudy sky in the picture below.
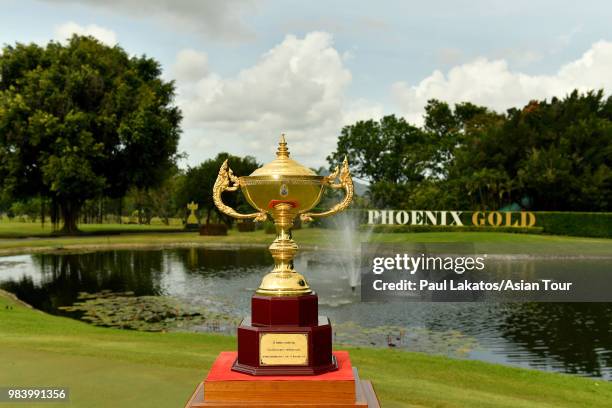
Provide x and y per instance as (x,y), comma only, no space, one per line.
(247,70)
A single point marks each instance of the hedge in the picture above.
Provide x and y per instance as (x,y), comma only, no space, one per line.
(448,228)
(582,224)
(575,223)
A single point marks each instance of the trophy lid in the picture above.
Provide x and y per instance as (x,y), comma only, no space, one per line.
(283,165)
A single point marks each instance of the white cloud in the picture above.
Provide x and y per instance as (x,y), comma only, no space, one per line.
(297,87)
(297,83)
(492,84)
(66,30)
(190,65)
(214,19)
(300,87)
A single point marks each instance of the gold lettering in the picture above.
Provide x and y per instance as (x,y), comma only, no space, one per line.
(509,222)
(527,215)
(478,218)
(495,219)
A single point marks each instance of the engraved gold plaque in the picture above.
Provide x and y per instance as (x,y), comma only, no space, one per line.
(283,349)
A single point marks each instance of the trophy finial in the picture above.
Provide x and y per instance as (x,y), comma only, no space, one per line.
(282,147)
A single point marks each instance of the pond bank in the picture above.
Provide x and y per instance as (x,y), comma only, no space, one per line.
(101,365)
(100,246)
(315,238)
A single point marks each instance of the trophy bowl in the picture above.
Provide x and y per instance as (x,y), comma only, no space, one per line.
(265,192)
(283,189)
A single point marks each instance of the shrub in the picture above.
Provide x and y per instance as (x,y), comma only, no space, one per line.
(269,227)
(582,224)
(449,228)
(576,223)
(246,226)
(213,229)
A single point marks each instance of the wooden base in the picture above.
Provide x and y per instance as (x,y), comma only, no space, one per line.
(365,398)
(224,388)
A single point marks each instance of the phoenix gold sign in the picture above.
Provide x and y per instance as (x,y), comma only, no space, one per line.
(283,349)
(522,219)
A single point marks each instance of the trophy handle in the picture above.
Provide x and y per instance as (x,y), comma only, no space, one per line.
(346,182)
(226,181)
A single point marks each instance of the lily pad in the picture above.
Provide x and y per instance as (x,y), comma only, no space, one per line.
(147,313)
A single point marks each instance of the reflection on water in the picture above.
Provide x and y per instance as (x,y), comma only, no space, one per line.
(578,335)
(49,281)
(572,338)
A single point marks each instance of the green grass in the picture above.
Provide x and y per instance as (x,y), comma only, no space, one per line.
(509,243)
(152,236)
(108,367)
(36,229)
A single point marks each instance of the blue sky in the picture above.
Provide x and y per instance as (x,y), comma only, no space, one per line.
(248,70)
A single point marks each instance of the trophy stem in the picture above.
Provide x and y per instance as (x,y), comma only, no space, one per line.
(283,280)
(283,248)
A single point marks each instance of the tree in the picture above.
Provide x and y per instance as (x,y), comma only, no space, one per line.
(139,205)
(445,129)
(549,155)
(160,201)
(566,163)
(82,120)
(30,208)
(164,197)
(390,152)
(553,154)
(198,184)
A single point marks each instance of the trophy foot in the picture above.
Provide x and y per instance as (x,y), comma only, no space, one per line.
(283,284)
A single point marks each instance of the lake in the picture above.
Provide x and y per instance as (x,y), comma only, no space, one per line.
(573,338)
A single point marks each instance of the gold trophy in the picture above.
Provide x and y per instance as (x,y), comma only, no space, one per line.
(283,189)
(284,334)
(284,338)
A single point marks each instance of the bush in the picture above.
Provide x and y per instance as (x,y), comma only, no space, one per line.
(246,226)
(269,227)
(213,229)
(575,223)
(297,223)
(581,224)
(448,228)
